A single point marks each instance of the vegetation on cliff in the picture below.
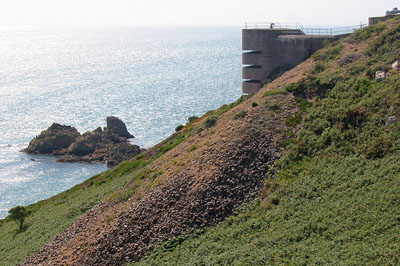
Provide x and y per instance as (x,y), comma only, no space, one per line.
(335,195)
(333,198)
(130,179)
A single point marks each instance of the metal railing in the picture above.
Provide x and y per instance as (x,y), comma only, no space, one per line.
(273,25)
(333,31)
(302,30)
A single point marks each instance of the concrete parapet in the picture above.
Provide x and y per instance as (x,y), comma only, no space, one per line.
(259,39)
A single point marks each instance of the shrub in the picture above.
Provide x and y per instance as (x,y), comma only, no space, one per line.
(367,32)
(211,121)
(192,148)
(378,149)
(274,106)
(240,115)
(295,88)
(387,42)
(318,68)
(303,103)
(254,104)
(293,120)
(312,87)
(179,128)
(287,142)
(19,214)
(329,53)
(192,118)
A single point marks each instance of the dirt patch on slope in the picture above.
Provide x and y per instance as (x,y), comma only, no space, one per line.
(225,171)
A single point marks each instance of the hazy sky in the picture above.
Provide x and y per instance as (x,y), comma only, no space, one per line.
(39,13)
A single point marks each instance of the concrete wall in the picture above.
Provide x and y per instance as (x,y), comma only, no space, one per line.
(270,50)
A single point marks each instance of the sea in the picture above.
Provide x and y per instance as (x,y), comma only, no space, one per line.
(153,78)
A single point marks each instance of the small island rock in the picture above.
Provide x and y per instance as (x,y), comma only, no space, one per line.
(109,146)
(116,126)
(53,140)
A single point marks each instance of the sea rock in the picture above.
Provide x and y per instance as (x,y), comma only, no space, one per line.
(85,144)
(116,126)
(53,140)
(109,146)
(98,130)
(121,152)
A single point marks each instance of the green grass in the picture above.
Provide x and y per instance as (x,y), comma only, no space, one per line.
(50,217)
(334,198)
(330,52)
(192,148)
(335,210)
(367,32)
(275,92)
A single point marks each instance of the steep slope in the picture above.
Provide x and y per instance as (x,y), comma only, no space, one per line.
(197,183)
(335,195)
(333,198)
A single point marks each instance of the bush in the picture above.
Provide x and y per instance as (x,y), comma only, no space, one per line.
(192,148)
(378,149)
(179,128)
(240,115)
(318,68)
(210,122)
(192,118)
(329,53)
(312,87)
(367,32)
(293,120)
(303,103)
(19,214)
(274,106)
(295,88)
(254,104)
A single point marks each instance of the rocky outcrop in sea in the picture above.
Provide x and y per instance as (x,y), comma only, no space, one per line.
(109,145)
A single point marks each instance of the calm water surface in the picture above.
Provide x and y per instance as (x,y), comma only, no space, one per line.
(151,78)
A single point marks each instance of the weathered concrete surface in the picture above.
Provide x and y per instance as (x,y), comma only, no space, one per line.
(270,51)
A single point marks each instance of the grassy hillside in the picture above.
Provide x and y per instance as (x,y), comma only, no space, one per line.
(130,179)
(335,195)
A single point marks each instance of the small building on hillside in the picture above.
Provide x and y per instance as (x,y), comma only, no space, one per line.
(389,14)
(394,11)
(271,48)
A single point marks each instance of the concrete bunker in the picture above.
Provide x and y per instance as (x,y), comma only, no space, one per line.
(272,49)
